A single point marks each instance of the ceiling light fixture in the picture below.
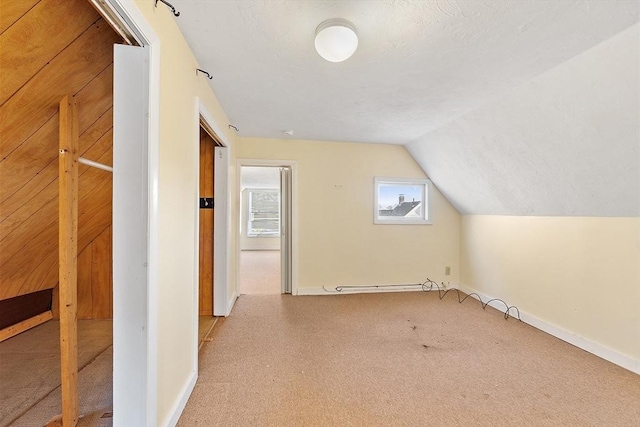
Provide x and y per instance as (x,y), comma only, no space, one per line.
(336,39)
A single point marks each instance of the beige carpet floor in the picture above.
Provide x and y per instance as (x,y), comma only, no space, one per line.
(402,359)
(95,387)
(30,369)
(30,364)
(259,272)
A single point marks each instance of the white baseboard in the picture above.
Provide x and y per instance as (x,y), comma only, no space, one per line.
(182,402)
(359,290)
(585,344)
(232,302)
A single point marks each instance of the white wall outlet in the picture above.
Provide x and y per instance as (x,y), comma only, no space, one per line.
(447,271)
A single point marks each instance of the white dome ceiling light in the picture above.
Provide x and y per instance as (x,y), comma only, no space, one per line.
(336,39)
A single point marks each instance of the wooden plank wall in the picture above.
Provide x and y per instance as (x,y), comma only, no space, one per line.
(205,299)
(95,286)
(50,48)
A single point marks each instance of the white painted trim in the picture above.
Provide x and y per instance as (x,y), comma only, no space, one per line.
(232,302)
(222,219)
(214,125)
(196,251)
(427,191)
(378,289)
(294,211)
(153,165)
(131,17)
(127,15)
(222,224)
(181,403)
(572,338)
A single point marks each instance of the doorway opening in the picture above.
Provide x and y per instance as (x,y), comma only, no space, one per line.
(56,198)
(266,229)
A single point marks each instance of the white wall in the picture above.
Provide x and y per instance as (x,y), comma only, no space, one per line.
(338,242)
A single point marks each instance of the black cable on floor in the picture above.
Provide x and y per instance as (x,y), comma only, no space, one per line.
(429,284)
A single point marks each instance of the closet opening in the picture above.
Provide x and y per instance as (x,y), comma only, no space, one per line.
(206,220)
(56,257)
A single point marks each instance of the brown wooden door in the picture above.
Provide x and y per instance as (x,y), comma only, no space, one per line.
(206,225)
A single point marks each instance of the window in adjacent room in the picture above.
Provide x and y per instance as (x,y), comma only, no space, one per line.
(402,201)
(264,213)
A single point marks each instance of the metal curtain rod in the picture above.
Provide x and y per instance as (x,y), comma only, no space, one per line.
(95,164)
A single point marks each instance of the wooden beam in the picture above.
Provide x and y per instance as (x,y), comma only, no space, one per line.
(18,328)
(68,258)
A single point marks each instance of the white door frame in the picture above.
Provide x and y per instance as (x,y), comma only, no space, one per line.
(221,242)
(223,299)
(294,211)
(127,15)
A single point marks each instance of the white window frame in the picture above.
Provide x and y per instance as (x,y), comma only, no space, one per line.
(250,191)
(427,190)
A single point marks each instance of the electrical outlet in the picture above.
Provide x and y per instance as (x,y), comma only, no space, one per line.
(447,271)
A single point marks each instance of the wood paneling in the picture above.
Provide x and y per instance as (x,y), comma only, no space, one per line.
(85,297)
(101,276)
(206,226)
(68,72)
(21,259)
(37,156)
(59,47)
(55,303)
(27,45)
(12,10)
(95,288)
(14,310)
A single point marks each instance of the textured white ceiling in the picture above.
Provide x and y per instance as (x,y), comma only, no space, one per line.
(511,107)
(419,65)
(564,143)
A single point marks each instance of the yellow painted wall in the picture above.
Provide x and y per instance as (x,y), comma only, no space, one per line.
(581,274)
(338,241)
(178,174)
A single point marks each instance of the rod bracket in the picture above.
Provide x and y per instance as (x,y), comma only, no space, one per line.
(173,9)
(200,70)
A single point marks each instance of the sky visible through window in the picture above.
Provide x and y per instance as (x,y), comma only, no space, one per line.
(389,194)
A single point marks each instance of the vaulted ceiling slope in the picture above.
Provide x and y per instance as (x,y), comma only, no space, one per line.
(565,143)
(419,64)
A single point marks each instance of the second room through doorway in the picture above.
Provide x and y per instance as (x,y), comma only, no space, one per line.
(260,221)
